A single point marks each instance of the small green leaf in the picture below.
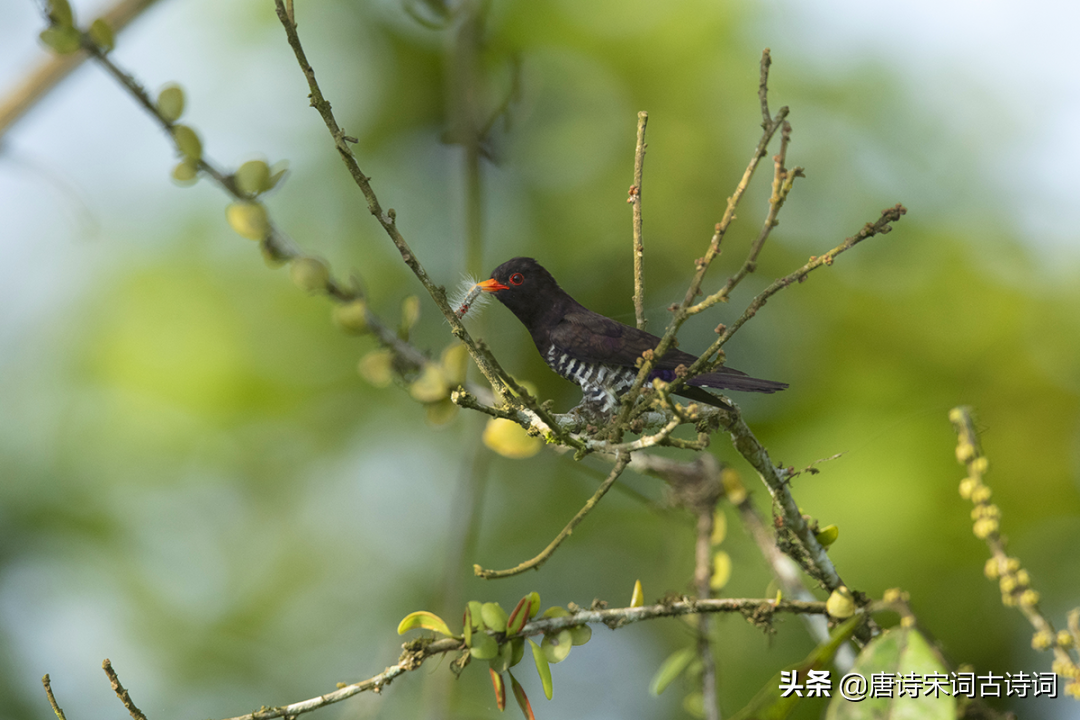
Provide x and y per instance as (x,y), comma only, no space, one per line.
(64,39)
(534,603)
(352,316)
(186,173)
(60,13)
(170,102)
(468,629)
(248,219)
(522,699)
(637,597)
(423,619)
(101,33)
(671,668)
(500,689)
(556,646)
(556,611)
(309,274)
(509,439)
(828,534)
(721,570)
(253,177)
(517,645)
(694,705)
(581,634)
(484,646)
(431,387)
(377,368)
(841,603)
(518,617)
(719,528)
(503,659)
(410,312)
(494,616)
(277,171)
(542,667)
(187,142)
(476,615)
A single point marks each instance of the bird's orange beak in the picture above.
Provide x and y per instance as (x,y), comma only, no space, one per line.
(491,285)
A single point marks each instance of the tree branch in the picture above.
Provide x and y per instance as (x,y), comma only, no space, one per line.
(535,563)
(635,202)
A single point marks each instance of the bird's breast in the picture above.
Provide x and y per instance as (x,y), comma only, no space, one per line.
(599,382)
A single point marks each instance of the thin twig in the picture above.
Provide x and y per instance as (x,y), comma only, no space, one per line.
(703,570)
(388,218)
(706,362)
(121,693)
(536,562)
(783,180)
(702,265)
(635,202)
(52,699)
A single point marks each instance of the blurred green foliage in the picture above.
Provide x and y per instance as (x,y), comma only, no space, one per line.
(197,484)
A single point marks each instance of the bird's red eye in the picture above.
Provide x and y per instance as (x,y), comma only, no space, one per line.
(517,279)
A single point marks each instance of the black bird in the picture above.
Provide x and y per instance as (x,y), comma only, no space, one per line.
(594,351)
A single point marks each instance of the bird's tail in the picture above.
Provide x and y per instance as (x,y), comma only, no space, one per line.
(727,379)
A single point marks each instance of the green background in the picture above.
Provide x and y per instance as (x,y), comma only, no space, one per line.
(198,485)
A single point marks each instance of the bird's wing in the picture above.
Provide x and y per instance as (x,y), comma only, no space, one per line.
(591,337)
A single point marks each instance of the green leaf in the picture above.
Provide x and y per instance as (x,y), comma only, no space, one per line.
(410,313)
(670,669)
(60,13)
(494,616)
(186,173)
(64,39)
(484,646)
(503,659)
(248,219)
(543,668)
(187,142)
(518,617)
(423,619)
(500,689)
(518,646)
(522,699)
(170,102)
(694,704)
(534,603)
(557,646)
(352,316)
(896,651)
(556,611)
(721,570)
(253,177)
(828,535)
(377,367)
(581,634)
(468,629)
(637,597)
(277,171)
(767,703)
(101,33)
(309,274)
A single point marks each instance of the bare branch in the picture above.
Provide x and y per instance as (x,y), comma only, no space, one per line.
(121,693)
(52,699)
(635,201)
(536,562)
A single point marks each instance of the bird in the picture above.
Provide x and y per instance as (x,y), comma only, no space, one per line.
(595,352)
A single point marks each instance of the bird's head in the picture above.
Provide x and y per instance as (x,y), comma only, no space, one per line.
(524,286)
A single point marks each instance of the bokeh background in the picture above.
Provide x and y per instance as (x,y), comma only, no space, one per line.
(196,483)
